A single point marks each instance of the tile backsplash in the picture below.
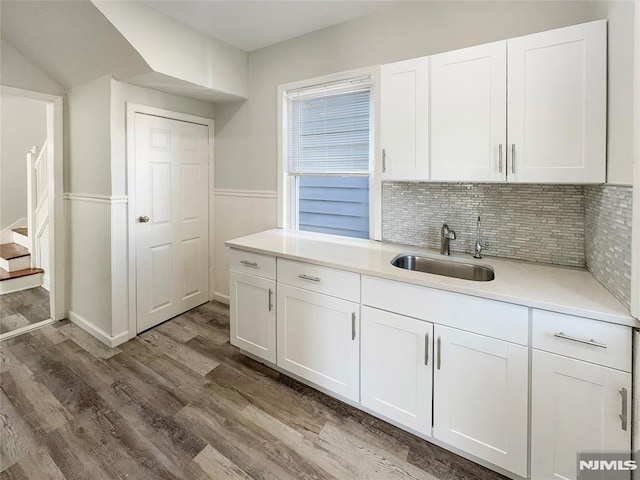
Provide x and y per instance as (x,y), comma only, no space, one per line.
(608,238)
(573,225)
(540,223)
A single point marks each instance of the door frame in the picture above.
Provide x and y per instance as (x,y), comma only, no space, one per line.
(635,203)
(57,220)
(131,110)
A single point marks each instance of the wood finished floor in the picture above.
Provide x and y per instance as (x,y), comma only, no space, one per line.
(23,308)
(179,402)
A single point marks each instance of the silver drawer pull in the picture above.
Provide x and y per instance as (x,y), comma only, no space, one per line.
(309,277)
(353,326)
(426,349)
(623,415)
(591,342)
(438,350)
(249,264)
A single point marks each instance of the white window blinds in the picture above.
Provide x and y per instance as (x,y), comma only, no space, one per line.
(328,128)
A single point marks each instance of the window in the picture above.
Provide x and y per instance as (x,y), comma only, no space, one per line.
(328,156)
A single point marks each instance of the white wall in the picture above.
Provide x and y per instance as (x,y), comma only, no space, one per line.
(174,49)
(88,146)
(23,124)
(17,71)
(246,133)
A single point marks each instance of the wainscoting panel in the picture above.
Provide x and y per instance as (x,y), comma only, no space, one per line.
(238,213)
(89,240)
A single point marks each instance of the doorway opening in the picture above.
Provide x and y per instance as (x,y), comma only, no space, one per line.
(31,248)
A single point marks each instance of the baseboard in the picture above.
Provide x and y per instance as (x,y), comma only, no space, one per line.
(221,297)
(98,333)
(6,236)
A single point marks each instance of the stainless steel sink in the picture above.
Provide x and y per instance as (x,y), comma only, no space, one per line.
(447,268)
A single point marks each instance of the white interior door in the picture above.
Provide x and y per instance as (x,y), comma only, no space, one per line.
(172,217)
(468,114)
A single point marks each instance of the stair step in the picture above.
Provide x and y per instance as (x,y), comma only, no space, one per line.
(20,280)
(14,257)
(9,251)
(21,236)
(5,275)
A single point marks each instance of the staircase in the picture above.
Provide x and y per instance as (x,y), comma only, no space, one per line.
(15,264)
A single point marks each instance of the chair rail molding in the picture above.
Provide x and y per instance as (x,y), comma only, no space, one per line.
(224,192)
(94,198)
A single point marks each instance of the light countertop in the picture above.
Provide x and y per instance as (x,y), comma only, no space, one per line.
(569,290)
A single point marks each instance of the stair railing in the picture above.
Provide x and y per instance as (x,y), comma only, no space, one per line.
(37,198)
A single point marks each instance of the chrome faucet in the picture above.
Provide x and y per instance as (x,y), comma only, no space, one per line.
(446,236)
(478,247)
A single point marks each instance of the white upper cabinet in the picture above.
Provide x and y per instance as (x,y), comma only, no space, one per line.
(530,109)
(405,120)
(468,106)
(557,105)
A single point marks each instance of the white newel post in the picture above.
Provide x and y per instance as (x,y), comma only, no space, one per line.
(32,198)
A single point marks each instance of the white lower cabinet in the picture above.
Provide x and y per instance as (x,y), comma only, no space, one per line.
(253,314)
(480,397)
(397,371)
(319,339)
(576,407)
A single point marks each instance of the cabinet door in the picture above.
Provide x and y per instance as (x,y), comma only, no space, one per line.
(253,315)
(575,408)
(468,114)
(557,105)
(319,339)
(405,120)
(397,362)
(480,397)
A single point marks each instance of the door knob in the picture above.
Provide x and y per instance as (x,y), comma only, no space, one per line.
(143,219)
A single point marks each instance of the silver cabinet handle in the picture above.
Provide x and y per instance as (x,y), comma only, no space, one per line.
(439,348)
(426,349)
(353,326)
(270,301)
(143,219)
(309,277)
(249,264)
(623,415)
(513,158)
(591,342)
(500,158)
(384,160)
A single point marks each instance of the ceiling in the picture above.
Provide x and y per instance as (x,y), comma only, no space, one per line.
(71,41)
(251,25)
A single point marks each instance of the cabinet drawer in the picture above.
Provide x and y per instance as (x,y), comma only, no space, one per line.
(500,320)
(589,340)
(337,283)
(253,263)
